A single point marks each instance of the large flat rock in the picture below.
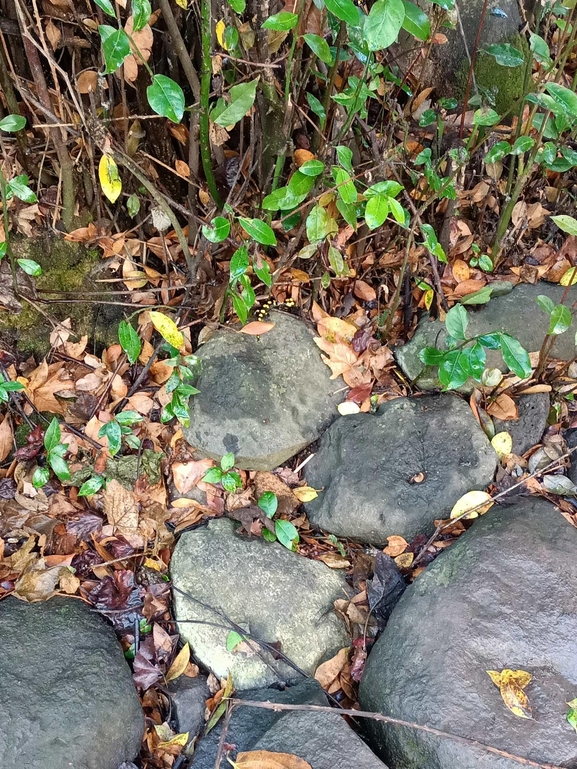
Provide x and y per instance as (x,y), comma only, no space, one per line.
(503,596)
(395,472)
(516,313)
(67,693)
(276,595)
(264,398)
(324,740)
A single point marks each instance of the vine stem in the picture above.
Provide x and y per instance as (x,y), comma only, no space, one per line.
(205,76)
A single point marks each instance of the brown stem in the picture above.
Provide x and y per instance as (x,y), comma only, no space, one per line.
(12,103)
(180,48)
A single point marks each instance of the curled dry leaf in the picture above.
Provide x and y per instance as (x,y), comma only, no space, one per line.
(503,408)
(180,663)
(472,499)
(396,546)
(257,328)
(326,673)
(265,759)
(511,684)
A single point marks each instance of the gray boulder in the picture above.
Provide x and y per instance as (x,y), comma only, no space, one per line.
(395,472)
(188,697)
(526,431)
(503,596)
(263,398)
(324,740)
(517,314)
(67,693)
(270,592)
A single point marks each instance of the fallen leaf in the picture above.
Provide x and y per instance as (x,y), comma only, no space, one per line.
(470,500)
(396,546)
(503,444)
(180,663)
(186,475)
(265,759)
(503,408)
(511,684)
(6,438)
(334,561)
(363,291)
(326,673)
(121,508)
(303,156)
(87,82)
(405,560)
(257,328)
(305,493)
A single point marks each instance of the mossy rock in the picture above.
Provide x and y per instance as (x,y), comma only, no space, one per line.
(66,266)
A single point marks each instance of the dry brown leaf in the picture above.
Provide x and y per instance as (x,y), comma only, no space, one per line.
(334,560)
(396,546)
(257,328)
(187,474)
(265,759)
(303,156)
(6,438)
(326,673)
(87,82)
(504,408)
(405,560)
(53,34)
(44,382)
(121,508)
(179,664)
(37,583)
(182,168)
(365,292)
(141,40)
(461,270)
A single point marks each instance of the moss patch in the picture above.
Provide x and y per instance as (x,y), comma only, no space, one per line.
(69,267)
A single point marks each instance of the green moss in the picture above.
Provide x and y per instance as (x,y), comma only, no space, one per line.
(505,83)
(66,266)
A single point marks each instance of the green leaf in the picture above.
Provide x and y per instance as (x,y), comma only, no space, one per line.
(218,231)
(41,477)
(115,47)
(490,341)
(401,216)
(268,535)
(312,168)
(3,247)
(59,465)
(20,189)
(560,320)
(259,230)
(233,639)
(238,6)
(317,224)
(12,386)
(345,157)
(227,462)
(485,117)
(286,534)
(431,356)
(546,304)
(129,341)
(241,100)
(141,11)
(268,503)
(346,189)
(91,486)
(522,144)
(572,713)
(453,372)
(482,296)
(300,184)
(127,418)
(345,10)
(566,223)
(282,21)
(30,267)
(12,123)
(376,211)
(474,361)
(319,47)
(52,435)
(456,322)
(428,117)
(383,24)
(506,55)
(566,98)
(106,6)
(316,106)
(486,263)
(263,273)
(540,49)
(497,152)
(348,211)
(214,475)
(231,482)
(336,261)
(112,431)
(416,22)
(389,188)
(133,205)
(239,263)
(240,308)
(515,356)
(166,98)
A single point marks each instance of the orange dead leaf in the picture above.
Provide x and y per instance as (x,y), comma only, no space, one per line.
(6,438)
(396,546)
(265,759)
(503,407)
(180,663)
(257,328)
(326,673)
(302,156)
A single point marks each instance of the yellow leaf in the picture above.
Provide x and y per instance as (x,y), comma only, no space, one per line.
(569,278)
(503,444)
(178,739)
(511,684)
(405,560)
(265,759)
(305,493)
(182,3)
(219,29)
(110,180)
(472,499)
(167,329)
(180,663)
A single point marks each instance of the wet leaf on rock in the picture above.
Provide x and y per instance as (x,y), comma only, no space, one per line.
(265,759)
(511,684)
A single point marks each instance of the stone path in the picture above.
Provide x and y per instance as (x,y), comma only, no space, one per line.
(501,597)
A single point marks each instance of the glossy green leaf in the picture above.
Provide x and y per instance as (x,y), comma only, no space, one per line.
(540,49)
(319,47)
(18,186)
(128,418)
(242,98)
(505,54)
(238,6)
(218,230)
(316,106)
(317,225)
(239,263)
(491,341)
(383,24)
(566,223)
(522,144)
(52,435)
(40,477)
(349,212)
(141,11)
(431,356)
(91,486)
(227,462)
(59,465)
(263,272)
(300,183)
(456,322)
(240,307)
(286,534)
(389,188)
(482,296)
(560,320)
(213,475)
(453,371)
(312,168)
(30,267)
(346,189)
(485,117)
(565,97)
(129,341)
(268,503)
(166,98)
(259,230)
(336,261)
(546,303)
(112,431)
(12,123)
(376,211)
(474,360)
(416,21)
(281,22)
(497,152)
(115,47)
(515,356)
(345,157)
(106,6)
(345,10)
